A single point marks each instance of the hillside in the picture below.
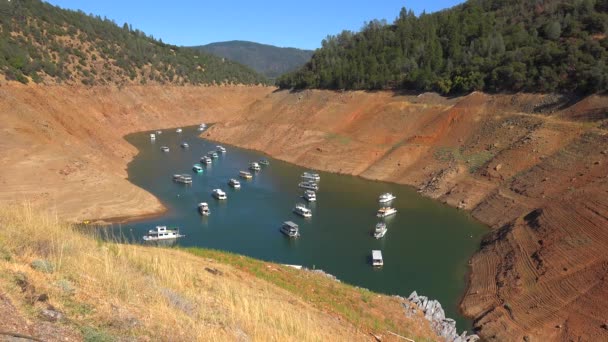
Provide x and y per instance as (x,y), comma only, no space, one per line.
(532,167)
(268,60)
(494,46)
(60,282)
(43,43)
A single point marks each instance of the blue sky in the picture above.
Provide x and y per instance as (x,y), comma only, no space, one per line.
(301,24)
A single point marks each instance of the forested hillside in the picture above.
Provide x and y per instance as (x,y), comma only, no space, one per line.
(44,43)
(490,45)
(271,61)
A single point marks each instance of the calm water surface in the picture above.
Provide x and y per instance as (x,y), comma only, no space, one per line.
(425,249)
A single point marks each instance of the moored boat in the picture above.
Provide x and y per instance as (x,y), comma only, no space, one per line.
(185,145)
(377,260)
(212,154)
(221,149)
(162,233)
(219,194)
(245,174)
(301,210)
(311,176)
(206,160)
(309,186)
(386,197)
(386,211)
(234,183)
(290,229)
(179,130)
(264,162)
(164,148)
(310,195)
(197,168)
(152,136)
(380,230)
(254,166)
(203,208)
(183,178)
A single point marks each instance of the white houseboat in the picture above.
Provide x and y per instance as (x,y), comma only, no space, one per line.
(386,211)
(184,179)
(309,186)
(164,148)
(310,196)
(301,210)
(179,130)
(219,194)
(162,233)
(311,176)
(221,149)
(386,197)
(245,174)
(234,183)
(380,230)
(290,229)
(254,166)
(377,258)
(203,208)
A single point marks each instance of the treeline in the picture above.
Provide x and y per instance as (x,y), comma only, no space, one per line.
(40,42)
(489,45)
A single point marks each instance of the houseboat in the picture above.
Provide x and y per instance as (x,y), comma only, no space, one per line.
(377,258)
(219,194)
(185,145)
(164,148)
(179,130)
(386,211)
(245,174)
(221,149)
(203,208)
(309,186)
(310,196)
(234,183)
(386,197)
(184,179)
(380,230)
(162,233)
(290,229)
(152,136)
(206,160)
(300,209)
(197,168)
(254,166)
(311,177)
(264,162)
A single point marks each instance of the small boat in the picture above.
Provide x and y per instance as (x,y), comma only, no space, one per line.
(386,197)
(377,258)
(162,233)
(234,183)
(309,186)
(386,211)
(152,136)
(245,174)
(380,230)
(164,148)
(184,179)
(301,210)
(206,160)
(254,166)
(179,130)
(310,196)
(310,176)
(185,145)
(290,229)
(264,162)
(159,132)
(213,154)
(219,194)
(197,168)
(221,149)
(203,208)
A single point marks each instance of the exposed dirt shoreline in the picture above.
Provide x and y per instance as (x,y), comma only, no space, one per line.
(532,167)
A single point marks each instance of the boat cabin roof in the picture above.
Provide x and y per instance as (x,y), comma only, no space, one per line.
(290,224)
(376,254)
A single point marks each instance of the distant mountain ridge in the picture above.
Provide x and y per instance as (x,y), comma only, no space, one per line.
(269,60)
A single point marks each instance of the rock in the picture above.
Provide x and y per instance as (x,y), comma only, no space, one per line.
(498,167)
(605,326)
(213,271)
(51,315)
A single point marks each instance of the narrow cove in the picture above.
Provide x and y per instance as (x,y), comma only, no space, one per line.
(425,249)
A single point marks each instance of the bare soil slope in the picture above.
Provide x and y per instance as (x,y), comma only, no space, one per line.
(533,167)
(63,147)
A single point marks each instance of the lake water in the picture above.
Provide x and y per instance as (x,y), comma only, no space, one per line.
(426,248)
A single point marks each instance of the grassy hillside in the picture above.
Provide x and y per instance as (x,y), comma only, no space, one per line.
(495,46)
(59,281)
(43,43)
(270,61)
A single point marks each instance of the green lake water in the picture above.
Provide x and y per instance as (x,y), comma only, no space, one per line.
(426,248)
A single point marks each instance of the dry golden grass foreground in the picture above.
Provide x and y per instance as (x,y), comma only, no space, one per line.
(60,282)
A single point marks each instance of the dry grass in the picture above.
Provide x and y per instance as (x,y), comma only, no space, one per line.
(109,290)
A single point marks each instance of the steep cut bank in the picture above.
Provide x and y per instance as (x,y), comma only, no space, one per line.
(533,167)
(63,147)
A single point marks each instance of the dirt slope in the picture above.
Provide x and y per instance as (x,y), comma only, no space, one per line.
(63,147)
(532,167)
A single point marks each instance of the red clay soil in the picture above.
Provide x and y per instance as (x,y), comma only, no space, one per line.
(533,167)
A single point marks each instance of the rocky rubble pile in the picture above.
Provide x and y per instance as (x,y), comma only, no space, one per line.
(433,312)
